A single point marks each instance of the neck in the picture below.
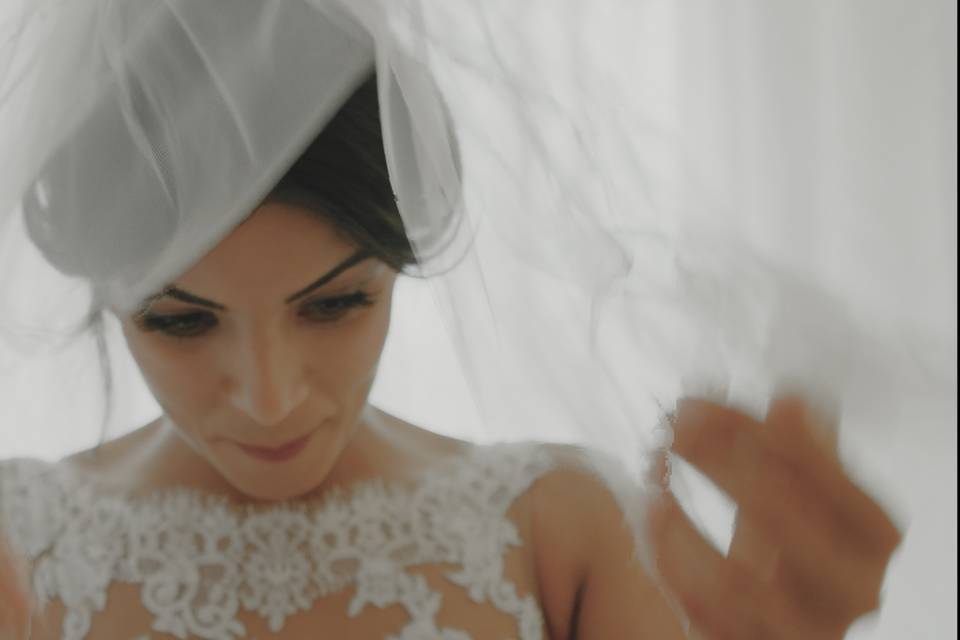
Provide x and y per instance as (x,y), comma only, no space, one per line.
(168,460)
(157,457)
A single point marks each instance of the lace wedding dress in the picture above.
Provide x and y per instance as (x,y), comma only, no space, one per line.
(398,561)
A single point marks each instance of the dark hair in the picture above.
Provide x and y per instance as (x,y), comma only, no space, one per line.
(342,176)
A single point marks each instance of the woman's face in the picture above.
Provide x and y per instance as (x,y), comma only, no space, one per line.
(262,355)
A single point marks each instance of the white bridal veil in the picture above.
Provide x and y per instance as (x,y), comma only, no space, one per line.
(614,202)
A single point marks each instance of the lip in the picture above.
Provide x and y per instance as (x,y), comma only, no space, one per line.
(283,453)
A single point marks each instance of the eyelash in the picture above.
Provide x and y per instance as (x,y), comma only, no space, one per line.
(184,326)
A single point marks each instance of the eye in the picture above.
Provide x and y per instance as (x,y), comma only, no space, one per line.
(331,309)
(186,325)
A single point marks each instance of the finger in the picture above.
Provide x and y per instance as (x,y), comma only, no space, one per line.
(823,563)
(754,548)
(801,436)
(693,571)
(822,417)
(702,427)
(722,598)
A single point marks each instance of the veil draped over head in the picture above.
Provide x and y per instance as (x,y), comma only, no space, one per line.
(613,203)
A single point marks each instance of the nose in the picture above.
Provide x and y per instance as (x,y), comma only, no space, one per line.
(269,381)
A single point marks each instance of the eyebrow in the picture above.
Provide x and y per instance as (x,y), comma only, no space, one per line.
(185,296)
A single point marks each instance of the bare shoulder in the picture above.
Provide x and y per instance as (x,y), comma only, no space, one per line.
(592,584)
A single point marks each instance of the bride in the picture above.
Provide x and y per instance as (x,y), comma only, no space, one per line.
(262,355)
(271,499)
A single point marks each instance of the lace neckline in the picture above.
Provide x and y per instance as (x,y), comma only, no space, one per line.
(276,560)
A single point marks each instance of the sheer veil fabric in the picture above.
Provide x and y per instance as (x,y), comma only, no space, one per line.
(614,203)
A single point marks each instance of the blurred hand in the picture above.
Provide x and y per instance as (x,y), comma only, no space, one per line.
(15,607)
(810,549)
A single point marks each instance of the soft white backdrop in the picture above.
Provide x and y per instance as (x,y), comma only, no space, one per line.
(913,470)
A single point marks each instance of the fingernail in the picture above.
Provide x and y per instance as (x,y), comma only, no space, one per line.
(693,414)
(822,402)
(823,407)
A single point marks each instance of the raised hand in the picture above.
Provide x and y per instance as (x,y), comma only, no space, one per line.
(810,549)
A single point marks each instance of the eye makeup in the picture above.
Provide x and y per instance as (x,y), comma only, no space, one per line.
(194,324)
(334,308)
(179,325)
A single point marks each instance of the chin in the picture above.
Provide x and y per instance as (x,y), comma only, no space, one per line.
(278,481)
(275,485)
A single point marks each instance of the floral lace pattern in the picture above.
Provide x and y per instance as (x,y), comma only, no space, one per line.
(198,561)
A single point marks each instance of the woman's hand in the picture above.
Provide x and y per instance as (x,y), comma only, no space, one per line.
(14,601)
(810,549)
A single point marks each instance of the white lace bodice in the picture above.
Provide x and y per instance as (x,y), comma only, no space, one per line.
(199,563)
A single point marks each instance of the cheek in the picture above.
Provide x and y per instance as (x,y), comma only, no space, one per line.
(340,361)
(346,357)
(165,366)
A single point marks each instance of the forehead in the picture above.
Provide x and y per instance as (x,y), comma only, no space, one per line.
(279,245)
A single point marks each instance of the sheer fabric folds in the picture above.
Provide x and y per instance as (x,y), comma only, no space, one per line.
(615,203)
